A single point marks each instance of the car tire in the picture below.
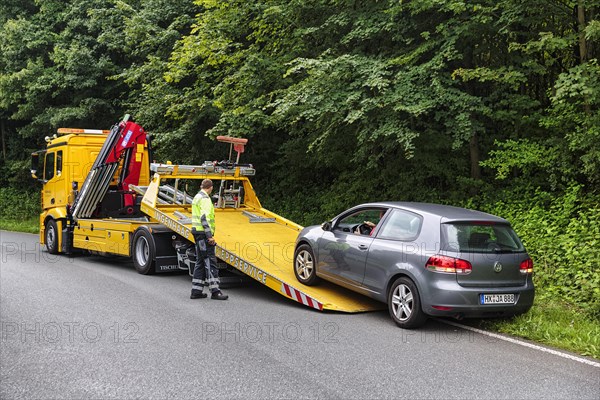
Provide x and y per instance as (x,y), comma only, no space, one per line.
(51,237)
(143,252)
(305,268)
(404,304)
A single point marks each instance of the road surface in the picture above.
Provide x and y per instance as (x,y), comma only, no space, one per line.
(91,327)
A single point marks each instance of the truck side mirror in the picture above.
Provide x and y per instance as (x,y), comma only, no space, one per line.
(35,163)
(326,226)
(35,159)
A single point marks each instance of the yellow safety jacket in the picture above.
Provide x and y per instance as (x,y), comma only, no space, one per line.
(203,214)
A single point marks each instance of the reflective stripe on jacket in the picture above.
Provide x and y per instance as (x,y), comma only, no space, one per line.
(203,214)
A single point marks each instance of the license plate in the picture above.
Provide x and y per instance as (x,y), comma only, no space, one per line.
(497,298)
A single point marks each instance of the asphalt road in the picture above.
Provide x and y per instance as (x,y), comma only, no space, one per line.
(91,327)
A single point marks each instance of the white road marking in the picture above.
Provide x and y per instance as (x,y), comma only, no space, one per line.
(523,343)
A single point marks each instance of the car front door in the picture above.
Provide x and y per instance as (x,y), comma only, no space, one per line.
(343,250)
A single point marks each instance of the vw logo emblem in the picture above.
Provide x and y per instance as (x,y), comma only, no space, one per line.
(497,267)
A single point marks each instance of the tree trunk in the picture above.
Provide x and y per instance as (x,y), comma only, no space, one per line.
(474,150)
(583,47)
(2,134)
(581,24)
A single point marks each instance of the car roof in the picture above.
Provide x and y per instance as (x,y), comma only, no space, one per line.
(447,213)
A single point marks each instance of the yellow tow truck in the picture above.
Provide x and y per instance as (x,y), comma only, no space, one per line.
(101,193)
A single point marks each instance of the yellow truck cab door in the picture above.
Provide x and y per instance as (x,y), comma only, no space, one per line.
(54,182)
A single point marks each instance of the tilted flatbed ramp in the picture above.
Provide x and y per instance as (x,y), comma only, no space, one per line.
(251,239)
(265,252)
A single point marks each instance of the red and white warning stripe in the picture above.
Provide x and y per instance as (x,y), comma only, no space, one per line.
(300,297)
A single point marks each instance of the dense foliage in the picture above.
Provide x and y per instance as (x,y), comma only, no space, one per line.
(491,104)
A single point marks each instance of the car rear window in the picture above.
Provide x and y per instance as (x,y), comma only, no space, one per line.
(480,237)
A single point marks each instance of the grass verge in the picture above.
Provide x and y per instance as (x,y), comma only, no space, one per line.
(29,225)
(553,323)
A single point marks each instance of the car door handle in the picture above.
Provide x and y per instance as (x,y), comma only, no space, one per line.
(363,246)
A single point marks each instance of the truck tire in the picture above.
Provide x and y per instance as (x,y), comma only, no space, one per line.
(51,237)
(143,252)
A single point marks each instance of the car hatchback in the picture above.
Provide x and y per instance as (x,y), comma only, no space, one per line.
(421,259)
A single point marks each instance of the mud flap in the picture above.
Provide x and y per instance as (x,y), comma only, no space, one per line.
(166,264)
(66,245)
(166,255)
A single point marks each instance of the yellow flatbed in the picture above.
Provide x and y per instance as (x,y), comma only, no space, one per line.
(265,251)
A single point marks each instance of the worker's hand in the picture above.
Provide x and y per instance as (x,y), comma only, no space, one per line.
(212,241)
(369,223)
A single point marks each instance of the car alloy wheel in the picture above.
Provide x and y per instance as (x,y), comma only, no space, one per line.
(404,304)
(304,265)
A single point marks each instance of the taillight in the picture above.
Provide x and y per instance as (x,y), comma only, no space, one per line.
(448,265)
(526,266)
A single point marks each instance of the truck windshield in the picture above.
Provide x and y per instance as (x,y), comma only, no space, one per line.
(480,237)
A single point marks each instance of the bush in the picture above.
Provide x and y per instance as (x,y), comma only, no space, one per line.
(18,204)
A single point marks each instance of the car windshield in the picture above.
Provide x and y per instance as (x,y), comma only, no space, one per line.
(480,237)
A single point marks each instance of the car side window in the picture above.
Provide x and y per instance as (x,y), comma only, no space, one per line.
(401,225)
(350,222)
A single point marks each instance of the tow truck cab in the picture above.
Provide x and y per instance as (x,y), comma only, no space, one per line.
(63,167)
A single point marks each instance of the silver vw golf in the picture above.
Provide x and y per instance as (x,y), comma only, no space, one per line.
(421,259)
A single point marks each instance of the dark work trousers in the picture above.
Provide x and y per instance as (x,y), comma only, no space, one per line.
(205,271)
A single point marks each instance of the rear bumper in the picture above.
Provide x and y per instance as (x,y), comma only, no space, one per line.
(465,301)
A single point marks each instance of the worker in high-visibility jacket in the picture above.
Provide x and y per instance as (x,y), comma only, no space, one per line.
(203,229)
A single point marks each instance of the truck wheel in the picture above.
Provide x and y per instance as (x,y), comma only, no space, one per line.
(51,237)
(143,252)
(304,265)
(404,304)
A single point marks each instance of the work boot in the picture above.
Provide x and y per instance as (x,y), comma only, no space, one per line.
(219,296)
(198,295)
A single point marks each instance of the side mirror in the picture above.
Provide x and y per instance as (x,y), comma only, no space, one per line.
(34,176)
(35,165)
(35,161)
(326,226)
